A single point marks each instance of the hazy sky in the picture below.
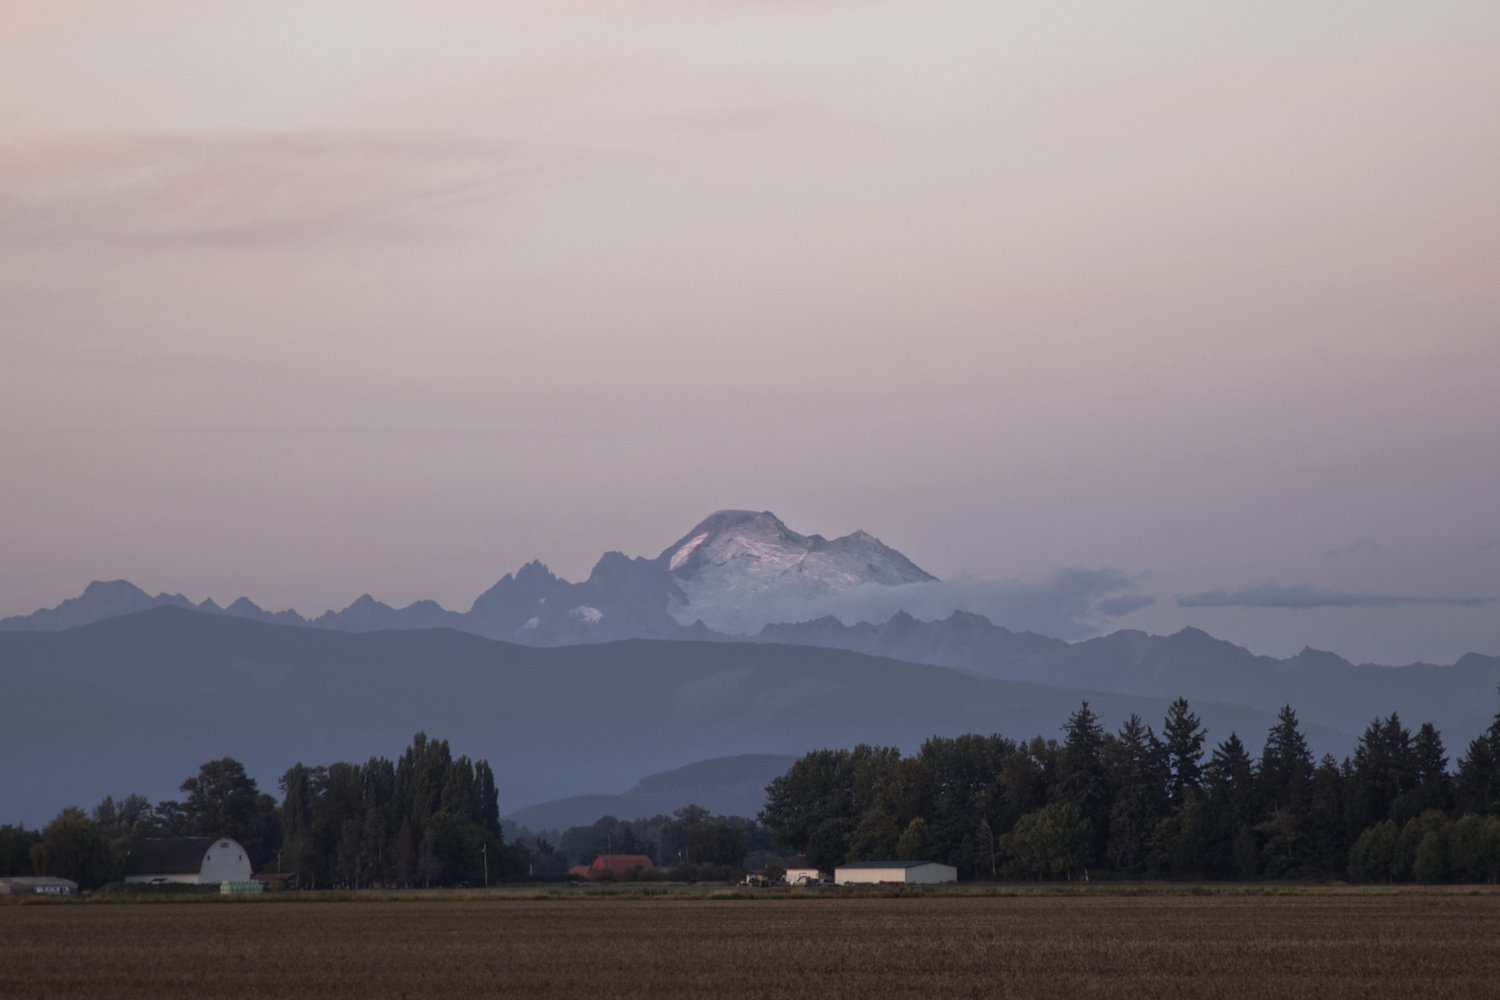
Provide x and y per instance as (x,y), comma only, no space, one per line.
(300,300)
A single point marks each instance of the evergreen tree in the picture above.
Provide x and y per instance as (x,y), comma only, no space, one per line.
(1384,774)
(1476,786)
(1328,832)
(1285,777)
(1434,785)
(1137,775)
(1183,736)
(1233,806)
(1083,781)
(1286,765)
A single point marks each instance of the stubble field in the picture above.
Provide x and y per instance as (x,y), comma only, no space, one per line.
(1329,946)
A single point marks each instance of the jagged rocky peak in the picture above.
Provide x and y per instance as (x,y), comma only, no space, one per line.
(736,571)
(762,545)
(739,569)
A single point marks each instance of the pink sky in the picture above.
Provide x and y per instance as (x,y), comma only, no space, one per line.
(303,300)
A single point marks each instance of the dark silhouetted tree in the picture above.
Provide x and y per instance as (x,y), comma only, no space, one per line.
(16,843)
(1182,739)
(1083,776)
(1384,774)
(1434,785)
(1052,841)
(1138,776)
(1234,805)
(73,848)
(1476,785)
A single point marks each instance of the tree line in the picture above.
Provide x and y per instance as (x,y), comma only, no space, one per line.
(1137,805)
(428,818)
(221,800)
(691,845)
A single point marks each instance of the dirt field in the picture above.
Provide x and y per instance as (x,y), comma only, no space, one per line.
(1328,946)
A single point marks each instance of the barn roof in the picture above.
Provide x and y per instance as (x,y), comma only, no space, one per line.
(168,855)
(620,862)
(887,864)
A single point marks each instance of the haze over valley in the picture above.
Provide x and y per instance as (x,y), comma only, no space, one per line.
(578,689)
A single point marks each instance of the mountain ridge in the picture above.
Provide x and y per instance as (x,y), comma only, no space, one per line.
(553,721)
(729,786)
(1189,663)
(735,556)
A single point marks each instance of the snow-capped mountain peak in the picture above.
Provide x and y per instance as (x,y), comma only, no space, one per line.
(733,561)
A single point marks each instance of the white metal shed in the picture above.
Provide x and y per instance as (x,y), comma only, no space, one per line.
(899,872)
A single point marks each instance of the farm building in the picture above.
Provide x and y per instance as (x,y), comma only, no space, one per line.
(41,885)
(800,867)
(617,863)
(201,860)
(899,872)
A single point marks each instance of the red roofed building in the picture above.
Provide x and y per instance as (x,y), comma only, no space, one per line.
(617,863)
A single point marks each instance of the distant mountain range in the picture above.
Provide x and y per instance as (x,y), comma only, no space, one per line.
(726,786)
(736,566)
(137,702)
(1190,663)
(729,572)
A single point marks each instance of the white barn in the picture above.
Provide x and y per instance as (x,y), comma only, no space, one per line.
(899,872)
(197,860)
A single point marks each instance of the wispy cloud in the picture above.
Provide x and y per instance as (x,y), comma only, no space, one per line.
(175,189)
(1273,595)
(20,21)
(1069,604)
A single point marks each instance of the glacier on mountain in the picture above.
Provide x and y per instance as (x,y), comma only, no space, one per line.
(739,569)
(734,572)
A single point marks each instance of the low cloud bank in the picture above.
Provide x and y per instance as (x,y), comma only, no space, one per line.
(1069,604)
(1273,595)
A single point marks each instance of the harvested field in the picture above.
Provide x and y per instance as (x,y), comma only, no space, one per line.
(1329,946)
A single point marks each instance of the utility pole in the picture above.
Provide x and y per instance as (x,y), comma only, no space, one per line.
(486,852)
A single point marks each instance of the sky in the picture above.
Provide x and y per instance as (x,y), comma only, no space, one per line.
(303,300)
